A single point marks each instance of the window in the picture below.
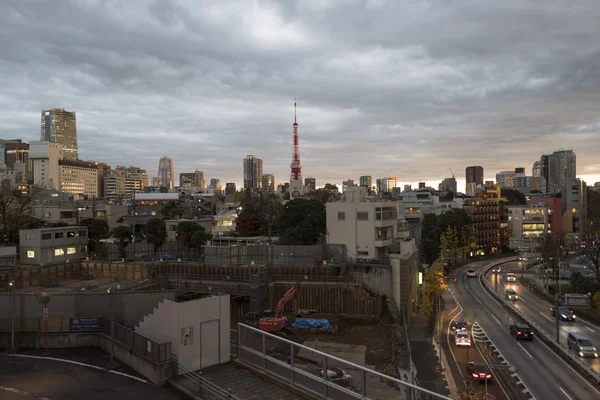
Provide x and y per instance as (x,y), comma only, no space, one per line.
(83,233)
(66,214)
(30,254)
(362,215)
(48,214)
(153,213)
(71,234)
(46,236)
(71,250)
(29,236)
(362,253)
(83,249)
(341,216)
(59,252)
(59,235)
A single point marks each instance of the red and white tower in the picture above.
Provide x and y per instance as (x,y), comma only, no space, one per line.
(296,185)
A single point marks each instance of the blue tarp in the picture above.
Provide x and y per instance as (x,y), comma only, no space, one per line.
(305,323)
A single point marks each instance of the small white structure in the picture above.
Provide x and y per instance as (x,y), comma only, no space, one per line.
(197,329)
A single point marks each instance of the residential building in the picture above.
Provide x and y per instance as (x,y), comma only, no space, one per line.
(527,224)
(192,180)
(367,228)
(47,246)
(505,179)
(230,190)
(166,173)
(135,173)
(171,225)
(449,185)
(347,184)
(310,184)
(119,188)
(60,126)
(412,207)
(253,172)
(153,202)
(10,180)
(488,213)
(561,168)
(224,223)
(554,205)
(268,183)
(60,210)
(574,205)
(45,156)
(215,184)
(474,175)
(386,184)
(104,170)
(79,178)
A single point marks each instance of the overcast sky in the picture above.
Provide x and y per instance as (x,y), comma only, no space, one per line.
(408,88)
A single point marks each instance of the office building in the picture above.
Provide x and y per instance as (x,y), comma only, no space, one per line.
(310,184)
(561,168)
(230,190)
(505,179)
(449,185)
(16,152)
(44,157)
(253,172)
(215,184)
(118,188)
(366,181)
(385,185)
(60,126)
(488,213)
(166,173)
(528,224)
(192,180)
(268,183)
(79,178)
(132,172)
(474,179)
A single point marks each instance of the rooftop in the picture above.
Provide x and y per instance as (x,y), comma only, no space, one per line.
(156,196)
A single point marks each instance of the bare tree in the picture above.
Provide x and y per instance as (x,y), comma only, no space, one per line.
(589,238)
(554,249)
(16,212)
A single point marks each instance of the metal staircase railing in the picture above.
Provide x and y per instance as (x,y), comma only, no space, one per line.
(205,388)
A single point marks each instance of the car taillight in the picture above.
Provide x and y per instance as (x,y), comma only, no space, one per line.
(518,333)
(475,376)
(468,340)
(531,333)
(488,376)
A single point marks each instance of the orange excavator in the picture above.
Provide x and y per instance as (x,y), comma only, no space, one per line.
(274,321)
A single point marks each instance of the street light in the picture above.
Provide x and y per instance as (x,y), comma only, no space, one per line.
(44,299)
(12,285)
(511,368)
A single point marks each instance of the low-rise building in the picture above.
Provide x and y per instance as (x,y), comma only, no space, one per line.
(527,224)
(79,177)
(48,246)
(171,225)
(153,202)
(70,212)
(224,223)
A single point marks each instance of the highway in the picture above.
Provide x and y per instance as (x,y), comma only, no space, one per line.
(543,373)
(539,311)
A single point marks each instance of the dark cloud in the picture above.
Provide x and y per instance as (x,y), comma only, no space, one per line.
(408,88)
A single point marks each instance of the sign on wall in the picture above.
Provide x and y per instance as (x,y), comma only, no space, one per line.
(187,336)
(85,324)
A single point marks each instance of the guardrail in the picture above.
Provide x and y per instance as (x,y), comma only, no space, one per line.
(540,332)
(201,385)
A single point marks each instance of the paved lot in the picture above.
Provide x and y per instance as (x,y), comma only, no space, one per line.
(62,381)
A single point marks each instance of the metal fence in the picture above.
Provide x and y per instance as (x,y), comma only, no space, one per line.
(147,348)
(200,385)
(322,374)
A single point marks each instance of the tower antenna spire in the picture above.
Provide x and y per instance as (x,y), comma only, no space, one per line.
(294,110)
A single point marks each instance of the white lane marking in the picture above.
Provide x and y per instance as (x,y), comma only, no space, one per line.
(526,352)
(547,317)
(448,336)
(499,323)
(565,393)
(588,323)
(589,329)
(477,298)
(81,364)
(522,299)
(21,392)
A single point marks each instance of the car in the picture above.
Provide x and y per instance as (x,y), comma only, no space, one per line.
(459,326)
(510,277)
(565,314)
(479,371)
(511,295)
(462,339)
(581,345)
(521,331)
(471,273)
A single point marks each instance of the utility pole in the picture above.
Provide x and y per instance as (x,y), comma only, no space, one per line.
(94,207)
(557,315)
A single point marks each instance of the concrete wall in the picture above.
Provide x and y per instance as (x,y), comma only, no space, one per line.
(377,279)
(198,330)
(129,308)
(40,276)
(404,270)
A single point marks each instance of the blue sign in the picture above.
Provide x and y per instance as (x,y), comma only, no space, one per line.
(85,324)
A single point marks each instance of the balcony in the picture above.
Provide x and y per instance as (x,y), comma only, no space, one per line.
(383,242)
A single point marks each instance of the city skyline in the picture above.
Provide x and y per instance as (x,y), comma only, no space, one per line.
(420,107)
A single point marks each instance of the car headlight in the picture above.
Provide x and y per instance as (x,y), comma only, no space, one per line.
(581,354)
(563,315)
(574,316)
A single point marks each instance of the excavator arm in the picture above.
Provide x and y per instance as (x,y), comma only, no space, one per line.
(291,294)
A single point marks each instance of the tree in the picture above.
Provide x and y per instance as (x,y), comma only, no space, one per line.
(554,251)
(430,239)
(156,233)
(192,234)
(123,235)
(97,229)
(171,210)
(269,211)
(249,221)
(322,195)
(589,238)
(433,285)
(449,246)
(16,213)
(514,197)
(302,222)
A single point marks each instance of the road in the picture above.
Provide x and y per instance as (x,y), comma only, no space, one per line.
(544,374)
(539,311)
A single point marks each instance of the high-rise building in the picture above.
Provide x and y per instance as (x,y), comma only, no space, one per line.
(16,151)
(79,177)
(450,185)
(310,184)
(385,185)
(132,172)
(474,175)
(215,184)
(45,157)
(60,126)
(505,179)
(253,171)
(366,181)
(192,179)
(166,173)
(268,183)
(296,184)
(155,181)
(230,190)
(562,168)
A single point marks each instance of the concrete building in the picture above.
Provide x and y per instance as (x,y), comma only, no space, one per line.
(166,173)
(562,167)
(16,152)
(153,202)
(268,183)
(346,184)
(45,156)
(449,185)
(505,179)
(230,190)
(60,126)
(488,212)
(574,204)
(70,212)
(48,246)
(367,228)
(224,223)
(527,224)
(473,175)
(119,188)
(192,179)
(310,184)
(133,173)
(215,185)
(10,179)
(412,207)
(78,178)
(171,224)
(253,172)
(385,185)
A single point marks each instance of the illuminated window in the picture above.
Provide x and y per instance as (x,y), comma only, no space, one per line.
(71,250)
(30,254)
(59,252)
